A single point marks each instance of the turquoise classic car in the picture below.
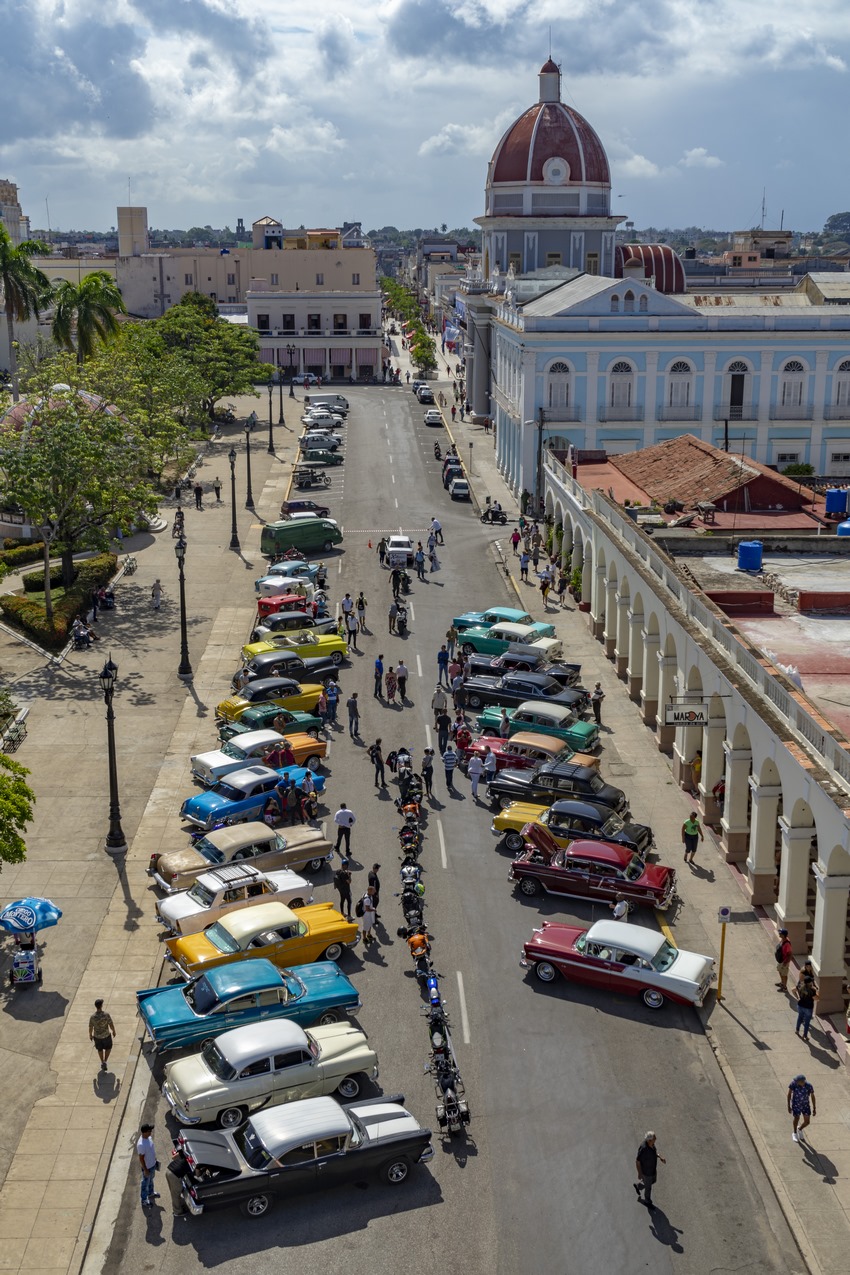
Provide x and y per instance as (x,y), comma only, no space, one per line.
(495,615)
(543,719)
(496,639)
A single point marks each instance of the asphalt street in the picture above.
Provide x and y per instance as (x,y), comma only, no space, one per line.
(562,1081)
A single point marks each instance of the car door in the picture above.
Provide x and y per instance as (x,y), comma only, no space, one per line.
(238,1011)
(295,1075)
(597,965)
(252,1086)
(603,881)
(332,1164)
(574,876)
(294,1171)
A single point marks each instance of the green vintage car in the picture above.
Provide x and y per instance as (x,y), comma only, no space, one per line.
(261,718)
(543,719)
(322,457)
(495,639)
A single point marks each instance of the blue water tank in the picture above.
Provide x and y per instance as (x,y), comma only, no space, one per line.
(843,529)
(836,500)
(749,555)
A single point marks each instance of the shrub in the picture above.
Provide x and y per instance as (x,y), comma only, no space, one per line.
(30,616)
(34,580)
(31,552)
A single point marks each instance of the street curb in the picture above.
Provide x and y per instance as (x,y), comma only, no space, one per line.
(503,558)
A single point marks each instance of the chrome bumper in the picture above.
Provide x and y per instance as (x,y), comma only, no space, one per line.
(181,1115)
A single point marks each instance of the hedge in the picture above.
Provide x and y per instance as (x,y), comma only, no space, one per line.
(34,580)
(32,552)
(31,617)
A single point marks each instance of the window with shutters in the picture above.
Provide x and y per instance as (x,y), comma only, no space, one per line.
(615,303)
(622,384)
(629,303)
(680,384)
(559,386)
(791,391)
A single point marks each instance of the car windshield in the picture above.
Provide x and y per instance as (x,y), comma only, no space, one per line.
(217,1063)
(220,938)
(200,996)
(228,792)
(253,1151)
(201,894)
(664,957)
(611,825)
(595,783)
(634,871)
(233,750)
(581,943)
(548,687)
(208,851)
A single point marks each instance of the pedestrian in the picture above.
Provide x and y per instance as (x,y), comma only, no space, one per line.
(360,607)
(597,695)
(438,702)
(535,556)
(523,565)
(217,489)
(352,627)
(146,1152)
(443,724)
(332,696)
(437,530)
(199,496)
(545,585)
(177,526)
(241,678)
(646,1162)
(353,715)
(392,615)
(461,411)
(391,684)
(419,562)
(344,820)
(562,587)
(458,692)
(450,762)
(515,539)
(434,561)
(696,773)
(455,669)
(347,605)
(102,1033)
(489,764)
(395,582)
(376,757)
(307,794)
(805,994)
(691,836)
(375,882)
(342,884)
(475,770)
(379,676)
(156,593)
(402,674)
(801,1102)
(95,603)
(382,551)
(451,640)
(454,409)
(442,667)
(321,710)
(782,955)
(428,771)
(292,803)
(369,915)
(504,725)
(431,542)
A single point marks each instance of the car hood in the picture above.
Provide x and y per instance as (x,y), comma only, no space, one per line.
(205,803)
(178,861)
(386,1120)
(657,877)
(325,980)
(323,918)
(192,950)
(164,1007)
(232,706)
(518,814)
(690,967)
(339,1042)
(210,762)
(521,778)
(190,1077)
(175,909)
(212,1148)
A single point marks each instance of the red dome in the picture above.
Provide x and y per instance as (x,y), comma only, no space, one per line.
(659,261)
(550,130)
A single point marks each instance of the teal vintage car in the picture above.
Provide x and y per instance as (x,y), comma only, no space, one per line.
(272,717)
(496,639)
(543,719)
(495,615)
(323,457)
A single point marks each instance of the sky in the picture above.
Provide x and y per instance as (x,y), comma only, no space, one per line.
(387,111)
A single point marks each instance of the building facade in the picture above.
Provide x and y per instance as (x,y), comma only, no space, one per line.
(331,332)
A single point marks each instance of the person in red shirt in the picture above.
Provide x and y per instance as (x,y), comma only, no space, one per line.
(784,953)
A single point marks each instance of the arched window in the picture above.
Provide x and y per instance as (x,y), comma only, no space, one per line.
(615,303)
(644,304)
(558,386)
(622,385)
(842,384)
(738,368)
(791,389)
(629,303)
(680,384)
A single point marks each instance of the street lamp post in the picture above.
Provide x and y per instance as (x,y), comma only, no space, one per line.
(185,669)
(290,350)
(280,419)
(270,388)
(116,842)
(234,536)
(249,495)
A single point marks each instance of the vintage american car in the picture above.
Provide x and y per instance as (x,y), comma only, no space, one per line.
(271,717)
(552,780)
(313,1144)
(174,870)
(619,957)
(590,870)
(543,719)
(272,588)
(321,456)
(311,647)
(524,659)
(231,996)
(297,567)
(516,688)
(524,751)
(284,691)
(272,931)
(208,768)
(284,661)
(251,1068)
(221,890)
(278,604)
(292,621)
(495,638)
(567,820)
(495,615)
(242,795)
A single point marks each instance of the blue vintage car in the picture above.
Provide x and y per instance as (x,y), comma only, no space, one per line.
(495,615)
(242,993)
(241,795)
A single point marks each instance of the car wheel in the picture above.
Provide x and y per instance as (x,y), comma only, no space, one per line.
(333,952)
(545,972)
(652,998)
(488,732)
(514,842)
(473,700)
(504,802)
(232,1117)
(395,1172)
(468,648)
(314,733)
(296,903)
(349,1088)
(255,1206)
(313,761)
(337,657)
(328,1017)
(315,865)
(208,1040)
(529,886)
(327,546)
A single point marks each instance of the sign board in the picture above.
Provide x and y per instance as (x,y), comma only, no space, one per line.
(724,914)
(685,713)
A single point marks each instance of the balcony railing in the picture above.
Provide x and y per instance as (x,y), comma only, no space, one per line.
(556,415)
(740,412)
(679,414)
(787,412)
(609,413)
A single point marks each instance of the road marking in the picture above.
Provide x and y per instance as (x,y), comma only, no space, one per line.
(392,476)
(418,664)
(339,567)
(427,734)
(464,1017)
(395,498)
(412,614)
(440,834)
(665,928)
(390,458)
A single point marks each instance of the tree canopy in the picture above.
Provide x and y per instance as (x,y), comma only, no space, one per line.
(25,289)
(223,355)
(85,313)
(16,810)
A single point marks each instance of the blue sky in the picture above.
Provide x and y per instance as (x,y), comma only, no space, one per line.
(387,111)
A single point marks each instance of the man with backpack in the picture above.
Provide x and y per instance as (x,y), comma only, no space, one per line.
(376,757)
(292,802)
(365,909)
(342,884)
(782,955)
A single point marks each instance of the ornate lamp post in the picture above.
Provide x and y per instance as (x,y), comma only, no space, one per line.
(185,669)
(280,419)
(249,495)
(234,536)
(290,350)
(270,388)
(116,842)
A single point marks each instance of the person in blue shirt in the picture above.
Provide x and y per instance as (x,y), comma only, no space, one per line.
(332,693)
(379,675)
(443,665)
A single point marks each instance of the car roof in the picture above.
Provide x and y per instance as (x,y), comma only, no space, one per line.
(232,874)
(532,740)
(570,806)
(511,627)
(270,683)
(238,977)
(637,938)
(309,1119)
(558,712)
(540,679)
(560,768)
(399,540)
(254,738)
(242,1044)
(249,775)
(263,658)
(245,834)
(252,920)
(601,851)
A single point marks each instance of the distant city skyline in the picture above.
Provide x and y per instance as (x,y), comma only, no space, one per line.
(388,113)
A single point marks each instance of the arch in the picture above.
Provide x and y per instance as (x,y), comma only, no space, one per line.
(621,384)
(740,737)
(615,303)
(844,366)
(801,815)
(836,862)
(681,367)
(629,302)
(622,368)
(643,305)
(680,381)
(738,366)
(794,366)
(558,386)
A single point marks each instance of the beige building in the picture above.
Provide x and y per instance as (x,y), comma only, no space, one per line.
(11,213)
(133,238)
(329,331)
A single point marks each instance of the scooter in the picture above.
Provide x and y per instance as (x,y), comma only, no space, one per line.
(410,842)
(409,873)
(401,619)
(491,515)
(438,452)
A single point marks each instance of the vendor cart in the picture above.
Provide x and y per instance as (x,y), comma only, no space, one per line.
(23,920)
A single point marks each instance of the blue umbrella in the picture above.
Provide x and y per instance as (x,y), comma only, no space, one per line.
(29,914)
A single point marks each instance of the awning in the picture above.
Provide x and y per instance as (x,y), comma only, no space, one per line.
(367,358)
(337,355)
(315,356)
(267,356)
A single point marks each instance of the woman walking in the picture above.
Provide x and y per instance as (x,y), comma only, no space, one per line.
(391,682)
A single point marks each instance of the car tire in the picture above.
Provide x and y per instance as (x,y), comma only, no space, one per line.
(488,732)
(349,1088)
(396,1171)
(652,998)
(545,971)
(529,886)
(231,1117)
(327,1017)
(327,546)
(316,865)
(313,733)
(504,802)
(474,701)
(313,762)
(467,648)
(296,903)
(337,657)
(255,1206)
(332,952)
(514,842)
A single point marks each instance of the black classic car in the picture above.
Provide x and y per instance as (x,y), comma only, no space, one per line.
(516,688)
(525,659)
(554,780)
(311,1144)
(316,668)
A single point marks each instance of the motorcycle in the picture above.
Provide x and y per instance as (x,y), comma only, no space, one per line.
(492,516)
(401,620)
(399,760)
(409,872)
(438,452)
(409,809)
(410,842)
(405,583)
(452,1107)
(439,1036)
(412,906)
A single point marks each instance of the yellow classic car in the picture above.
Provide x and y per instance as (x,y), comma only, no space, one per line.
(271,931)
(306,644)
(283,691)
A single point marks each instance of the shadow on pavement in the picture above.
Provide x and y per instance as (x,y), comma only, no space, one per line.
(663,1230)
(30,1004)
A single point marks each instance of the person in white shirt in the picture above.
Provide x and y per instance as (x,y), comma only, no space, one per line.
(620,909)
(489,765)
(475,770)
(344,820)
(347,604)
(437,530)
(146,1152)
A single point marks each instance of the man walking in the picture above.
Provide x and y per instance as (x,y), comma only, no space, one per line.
(395,582)
(347,606)
(489,760)
(437,530)
(782,956)
(451,640)
(342,884)
(332,696)
(375,883)
(217,489)
(419,560)
(379,676)
(801,1103)
(458,692)
(392,615)
(450,762)
(376,757)
(146,1152)
(475,770)
(344,820)
(443,665)
(806,995)
(427,769)
(438,701)
(382,551)
(101,1033)
(402,674)
(646,1163)
(156,594)
(351,627)
(443,724)
(370,915)
(597,695)
(353,715)
(691,836)
(523,565)
(199,496)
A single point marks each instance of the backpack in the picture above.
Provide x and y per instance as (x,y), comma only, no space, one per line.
(777,955)
(291,799)
(373,752)
(359,908)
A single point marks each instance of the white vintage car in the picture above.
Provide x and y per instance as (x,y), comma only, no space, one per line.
(253,745)
(234,886)
(264,1065)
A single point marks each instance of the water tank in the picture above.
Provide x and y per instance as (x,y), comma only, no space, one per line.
(836,501)
(843,529)
(749,555)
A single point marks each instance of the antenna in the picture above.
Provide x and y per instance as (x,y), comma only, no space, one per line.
(763,194)
(129,192)
(550,40)
(47,206)
(782,219)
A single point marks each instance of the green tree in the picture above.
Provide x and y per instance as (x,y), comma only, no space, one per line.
(837,226)
(88,309)
(200,301)
(16,805)
(25,289)
(223,355)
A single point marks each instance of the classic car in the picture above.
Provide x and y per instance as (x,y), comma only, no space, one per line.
(516,688)
(283,691)
(280,661)
(300,1146)
(525,751)
(304,506)
(222,889)
(493,639)
(271,717)
(297,567)
(257,1067)
(272,931)
(525,659)
(620,957)
(569,819)
(552,780)
(590,870)
(316,456)
(495,615)
(543,719)
(277,604)
(242,795)
(269,586)
(294,622)
(301,847)
(319,440)
(433,416)
(400,551)
(312,648)
(248,992)
(208,768)
(305,378)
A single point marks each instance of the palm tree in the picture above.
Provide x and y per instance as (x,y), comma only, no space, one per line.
(25,289)
(87,308)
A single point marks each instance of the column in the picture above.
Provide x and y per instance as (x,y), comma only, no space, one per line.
(687,739)
(713,739)
(621,648)
(566,544)
(633,671)
(609,636)
(666,683)
(597,602)
(649,678)
(829,938)
(710,395)
(577,557)
(761,860)
(733,824)
(791,908)
(592,398)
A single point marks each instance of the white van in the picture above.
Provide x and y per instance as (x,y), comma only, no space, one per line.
(336,402)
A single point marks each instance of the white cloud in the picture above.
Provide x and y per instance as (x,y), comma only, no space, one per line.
(699,157)
(459,139)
